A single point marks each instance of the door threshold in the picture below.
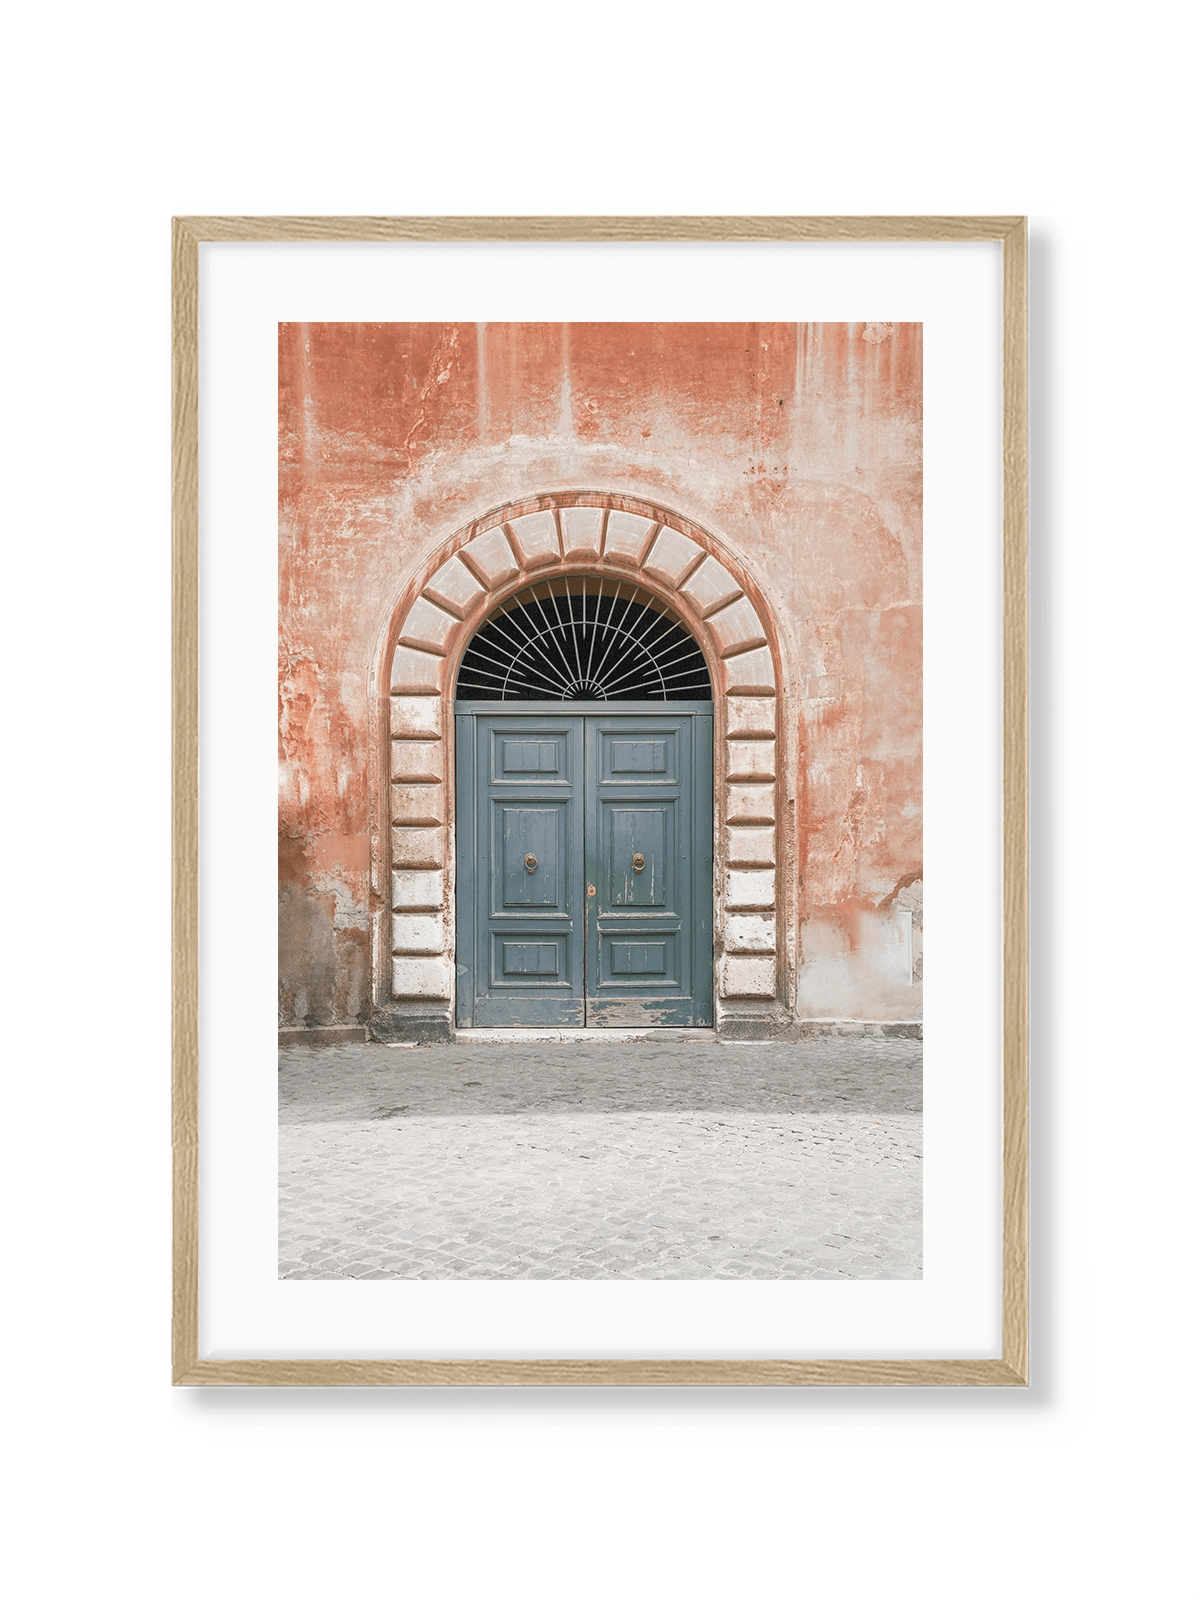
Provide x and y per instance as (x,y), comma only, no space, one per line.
(570,1036)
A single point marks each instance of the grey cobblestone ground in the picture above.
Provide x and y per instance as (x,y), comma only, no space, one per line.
(638,1160)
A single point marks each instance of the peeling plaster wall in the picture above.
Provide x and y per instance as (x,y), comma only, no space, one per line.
(797,447)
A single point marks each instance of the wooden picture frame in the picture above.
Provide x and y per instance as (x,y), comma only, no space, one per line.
(189,1367)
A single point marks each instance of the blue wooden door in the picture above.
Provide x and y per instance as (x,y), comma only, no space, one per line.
(584,870)
(648,822)
(520,843)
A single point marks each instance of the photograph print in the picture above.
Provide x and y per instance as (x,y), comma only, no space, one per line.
(600,820)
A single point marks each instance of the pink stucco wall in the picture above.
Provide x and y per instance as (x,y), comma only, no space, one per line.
(796,446)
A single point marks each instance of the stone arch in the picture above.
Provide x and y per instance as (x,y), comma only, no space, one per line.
(556,535)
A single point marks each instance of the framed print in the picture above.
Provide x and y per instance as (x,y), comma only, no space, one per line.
(600,847)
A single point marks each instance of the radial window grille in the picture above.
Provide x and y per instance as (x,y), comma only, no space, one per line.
(583,638)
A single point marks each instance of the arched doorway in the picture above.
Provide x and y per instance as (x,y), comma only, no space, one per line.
(584,812)
(626,550)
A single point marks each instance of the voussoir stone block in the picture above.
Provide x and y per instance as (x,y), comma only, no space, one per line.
(672,556)
(536,538)
(416,672)
(749,890)
(737,627)
(427,626)
(750,847)
(751,673)
(417,761)
(417,891)
(750,717)
(491,556)
(750,759)
(710,587)
(417,847)
(750,803)
(746,976)
(418,933)
(414,716)
(421,978)
(419,805)
(454,589)
(625,538)
(749,934)
(581,529)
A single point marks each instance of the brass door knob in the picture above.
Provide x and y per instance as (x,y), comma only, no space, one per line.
(591,889)
(531,863)
(639,861)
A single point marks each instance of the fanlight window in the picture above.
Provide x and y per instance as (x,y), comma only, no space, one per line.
(583,638)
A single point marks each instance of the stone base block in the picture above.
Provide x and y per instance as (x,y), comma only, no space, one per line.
(412,1025)
(750,1022)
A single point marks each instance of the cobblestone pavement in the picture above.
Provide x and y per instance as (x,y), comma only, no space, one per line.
(630,1160)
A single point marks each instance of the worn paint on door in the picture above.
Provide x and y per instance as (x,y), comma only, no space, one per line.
(585,869)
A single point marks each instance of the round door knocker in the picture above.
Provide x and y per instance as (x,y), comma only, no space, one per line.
(531,863)
(639,861)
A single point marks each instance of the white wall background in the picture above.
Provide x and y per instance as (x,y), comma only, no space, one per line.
(118,116)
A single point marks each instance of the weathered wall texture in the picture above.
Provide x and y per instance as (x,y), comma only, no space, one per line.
(793,450)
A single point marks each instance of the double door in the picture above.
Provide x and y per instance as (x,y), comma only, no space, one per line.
(584,868)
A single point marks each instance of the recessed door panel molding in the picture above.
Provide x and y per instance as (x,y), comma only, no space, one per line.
(639,757)
(530,845)
(638,843)
(636,960)
(521,961)
(584,868)
(520,958)
(538,756)
(516,758)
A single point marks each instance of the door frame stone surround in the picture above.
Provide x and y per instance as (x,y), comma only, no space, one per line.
(412,858)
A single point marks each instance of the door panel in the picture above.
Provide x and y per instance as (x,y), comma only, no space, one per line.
(531,847)
(637,956)
(639,962)
(649,855)
(531,757)
(539,963)
(637,853)
(520,958)
(639,756)
(520,891)
(528,756)
(550,805)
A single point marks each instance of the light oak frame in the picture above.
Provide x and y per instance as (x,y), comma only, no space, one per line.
(188,1368)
